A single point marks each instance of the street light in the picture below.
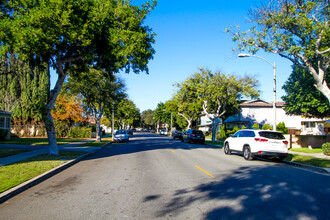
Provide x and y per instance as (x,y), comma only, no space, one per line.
(242,55)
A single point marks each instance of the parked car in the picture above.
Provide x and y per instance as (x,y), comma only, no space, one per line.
(193,136)
(121,135)
(177,134)
(163,132)
(262,143)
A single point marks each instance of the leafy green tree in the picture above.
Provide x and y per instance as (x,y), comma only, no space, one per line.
(189,106)
(67,34)
(256,126)
(126,113)
(267,127)
(302,98)
(98,92)
(220,93)
(295,30)
(24,90)
(281,127)
(147,118)
(161,115)
(223,132)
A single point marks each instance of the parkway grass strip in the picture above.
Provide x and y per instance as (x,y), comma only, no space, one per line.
(15,174)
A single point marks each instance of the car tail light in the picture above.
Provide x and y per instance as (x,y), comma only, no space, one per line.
(193,135)
(261,139)
(285,142)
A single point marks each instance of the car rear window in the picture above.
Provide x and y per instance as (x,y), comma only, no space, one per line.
(271,135)
(197,132)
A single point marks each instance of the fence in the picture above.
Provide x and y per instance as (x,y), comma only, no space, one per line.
(299,141)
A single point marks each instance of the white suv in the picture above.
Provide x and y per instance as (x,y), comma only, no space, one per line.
(261,143)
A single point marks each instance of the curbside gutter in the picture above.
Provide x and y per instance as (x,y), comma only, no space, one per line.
(307,167)
(42,177)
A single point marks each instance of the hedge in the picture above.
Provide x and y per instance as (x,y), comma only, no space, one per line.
(80,132)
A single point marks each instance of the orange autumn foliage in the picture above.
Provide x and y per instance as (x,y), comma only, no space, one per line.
(69,109)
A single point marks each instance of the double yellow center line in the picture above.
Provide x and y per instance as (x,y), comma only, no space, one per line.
(199,168)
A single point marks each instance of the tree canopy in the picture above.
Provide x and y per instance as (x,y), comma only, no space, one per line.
(296,30)
(302,98)
(67,34)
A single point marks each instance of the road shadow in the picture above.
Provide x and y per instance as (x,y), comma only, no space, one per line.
(256,193)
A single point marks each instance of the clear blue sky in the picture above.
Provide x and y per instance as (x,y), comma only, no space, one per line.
(191,34)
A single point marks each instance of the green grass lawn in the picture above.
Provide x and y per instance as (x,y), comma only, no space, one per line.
(312,161)
(307,150)
(10,152)
(39,141)
(216,143)
(15,174)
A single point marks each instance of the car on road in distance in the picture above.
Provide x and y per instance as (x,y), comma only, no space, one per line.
(177,134)
(193,136)
(163,132)
(121,135)
(261,143)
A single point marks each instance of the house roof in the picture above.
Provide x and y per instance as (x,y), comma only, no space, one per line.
(5,112)
(260,103)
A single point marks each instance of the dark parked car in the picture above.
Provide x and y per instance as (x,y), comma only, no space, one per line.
(177,134)
(193,136)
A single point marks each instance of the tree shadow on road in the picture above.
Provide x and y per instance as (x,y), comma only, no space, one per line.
(256,193)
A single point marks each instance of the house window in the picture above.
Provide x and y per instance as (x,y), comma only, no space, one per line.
(2,122)
(312,124)
(8,123)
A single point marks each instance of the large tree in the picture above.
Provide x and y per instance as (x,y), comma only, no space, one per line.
(298,30)
(302,98)
(126,113)
(189,106)
(147,118)
(65,33)
(98,91)
(220,94)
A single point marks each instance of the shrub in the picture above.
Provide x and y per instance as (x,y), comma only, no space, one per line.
(243,127)
(80,132)
(267,127)
(256,126)
(235,129)
(281,127)
(326,148)
(222,134)
(61,128)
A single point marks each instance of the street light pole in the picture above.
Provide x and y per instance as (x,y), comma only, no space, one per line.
(171,123)
(242,55)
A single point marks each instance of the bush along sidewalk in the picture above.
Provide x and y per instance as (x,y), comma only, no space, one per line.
(326,148)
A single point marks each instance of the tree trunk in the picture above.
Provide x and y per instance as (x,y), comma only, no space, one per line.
(98,130)
(324,89)
(50,128)
(214,128)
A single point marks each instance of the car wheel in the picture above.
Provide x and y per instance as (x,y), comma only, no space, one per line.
(227,149)
(247,153)
(182,140)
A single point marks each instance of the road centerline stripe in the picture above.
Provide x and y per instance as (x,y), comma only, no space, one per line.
(173,151)
(204,171)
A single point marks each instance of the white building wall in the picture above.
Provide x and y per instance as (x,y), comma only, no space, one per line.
(266,116)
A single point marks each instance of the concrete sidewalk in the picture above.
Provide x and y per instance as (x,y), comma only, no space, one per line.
(317,155)
(68,147)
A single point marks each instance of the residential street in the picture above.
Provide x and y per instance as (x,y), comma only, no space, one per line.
(153,176)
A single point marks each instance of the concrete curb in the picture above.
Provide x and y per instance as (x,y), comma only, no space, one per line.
(307,167)
(304,166)
(42,177)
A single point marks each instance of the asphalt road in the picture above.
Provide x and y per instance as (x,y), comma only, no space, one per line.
(155,177)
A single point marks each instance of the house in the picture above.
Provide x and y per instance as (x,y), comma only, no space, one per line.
(5,120)
(204,123)
(261,112)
